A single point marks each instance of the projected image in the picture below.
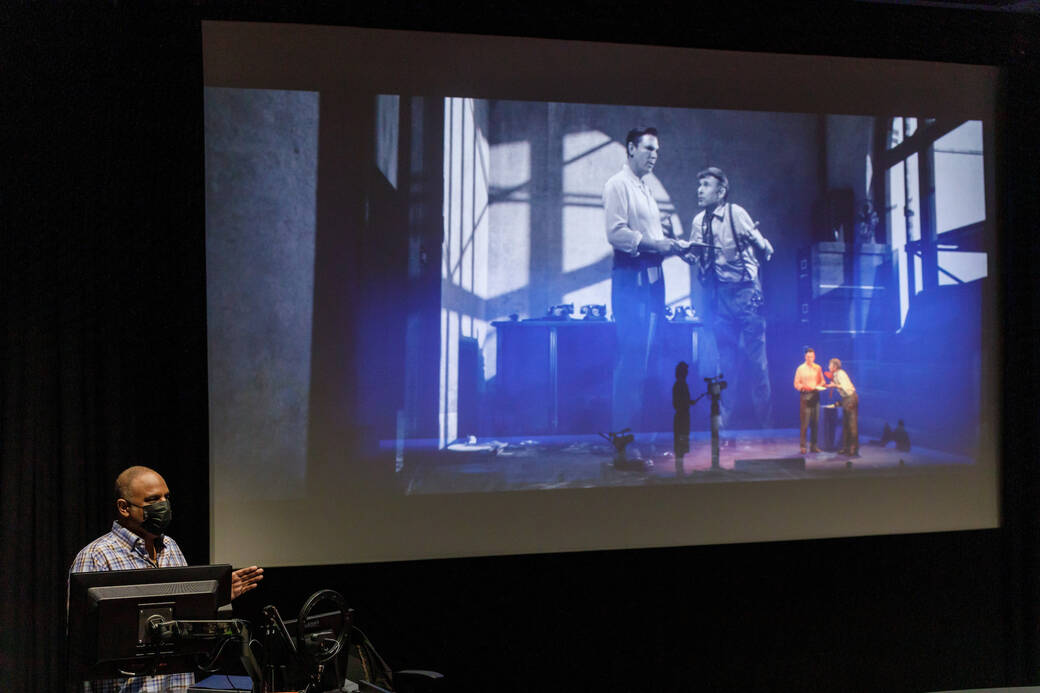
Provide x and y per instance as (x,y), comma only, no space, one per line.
(564,295)
(261,187)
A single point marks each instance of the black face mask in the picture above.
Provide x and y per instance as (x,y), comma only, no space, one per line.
(157,517)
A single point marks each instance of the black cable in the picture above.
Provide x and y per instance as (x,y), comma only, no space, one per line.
(334,649)
(209,668)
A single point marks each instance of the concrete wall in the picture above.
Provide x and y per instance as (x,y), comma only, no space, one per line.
(261,181)
(464,264)
(849,140)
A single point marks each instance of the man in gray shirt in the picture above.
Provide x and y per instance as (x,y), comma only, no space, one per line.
(733,289)
(850,408)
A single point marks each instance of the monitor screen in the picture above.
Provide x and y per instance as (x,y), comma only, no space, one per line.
(436,328)
(109,612)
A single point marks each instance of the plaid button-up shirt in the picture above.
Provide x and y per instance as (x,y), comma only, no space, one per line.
(121,549)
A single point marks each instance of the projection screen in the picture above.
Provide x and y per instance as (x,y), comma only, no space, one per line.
(421,343)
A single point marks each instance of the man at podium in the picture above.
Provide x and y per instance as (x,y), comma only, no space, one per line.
(138,540)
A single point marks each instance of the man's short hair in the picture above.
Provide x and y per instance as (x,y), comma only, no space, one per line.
(835,364)
(126,478)
(807,349)
(716,173)
(636,134)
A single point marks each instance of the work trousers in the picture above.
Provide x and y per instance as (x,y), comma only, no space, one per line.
(736,319)
(808,416)
(638,306)
(850,424)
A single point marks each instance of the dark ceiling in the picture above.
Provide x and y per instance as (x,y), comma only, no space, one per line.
(992,5)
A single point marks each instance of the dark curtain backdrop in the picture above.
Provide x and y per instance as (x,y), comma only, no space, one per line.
(103,365)
(103,287)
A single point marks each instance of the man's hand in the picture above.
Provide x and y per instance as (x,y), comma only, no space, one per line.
(245,579)
(666,246)
(682,249)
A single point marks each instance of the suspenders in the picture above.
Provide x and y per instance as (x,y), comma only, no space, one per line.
(740,243)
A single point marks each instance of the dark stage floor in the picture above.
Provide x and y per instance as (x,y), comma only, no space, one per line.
(546,462)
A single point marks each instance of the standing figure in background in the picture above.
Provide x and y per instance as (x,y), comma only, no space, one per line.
(807,380)
(849,406)
(681,402)
(733,289)
(633,222)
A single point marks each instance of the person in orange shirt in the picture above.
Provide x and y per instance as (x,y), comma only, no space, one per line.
(807,379)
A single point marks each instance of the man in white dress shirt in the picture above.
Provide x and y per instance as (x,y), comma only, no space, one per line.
(633,222)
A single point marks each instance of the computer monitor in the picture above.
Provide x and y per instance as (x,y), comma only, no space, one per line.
(111,616)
